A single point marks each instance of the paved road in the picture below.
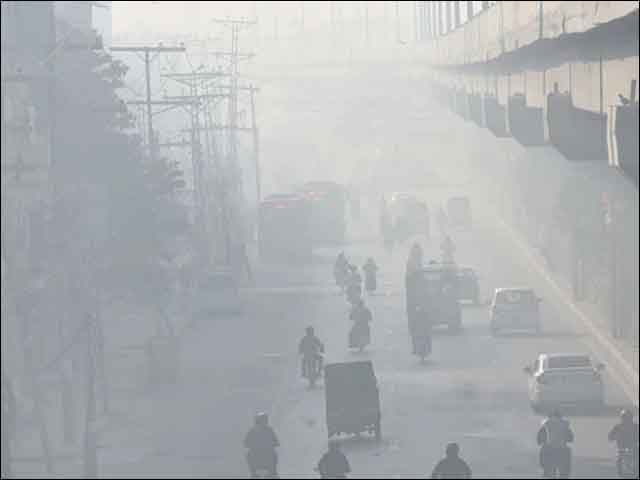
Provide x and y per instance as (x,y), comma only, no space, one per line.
(472,390)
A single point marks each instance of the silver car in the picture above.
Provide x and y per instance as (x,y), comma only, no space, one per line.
(565,379)
(515,309)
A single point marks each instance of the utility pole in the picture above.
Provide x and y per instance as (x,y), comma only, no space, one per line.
(256,146)
(147,67)
(90,444)
(232,140)
(366,22)
(397,7)
(415,21)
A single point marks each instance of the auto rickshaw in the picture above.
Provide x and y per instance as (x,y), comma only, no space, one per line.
(352,399)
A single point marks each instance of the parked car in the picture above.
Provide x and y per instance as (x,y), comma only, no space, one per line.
(515,309)
(565,379)
(468,287)
(216,292)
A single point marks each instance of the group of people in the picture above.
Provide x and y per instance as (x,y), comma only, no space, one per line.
(553,438)
(555,435)
(261,442)
(348,278)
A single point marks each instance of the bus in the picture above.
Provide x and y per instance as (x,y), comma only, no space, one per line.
(328,206)
(284,232)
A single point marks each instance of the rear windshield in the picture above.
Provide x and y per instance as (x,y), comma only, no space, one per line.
(574,361)
(519,297)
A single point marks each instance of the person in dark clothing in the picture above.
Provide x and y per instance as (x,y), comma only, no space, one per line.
(555,454)
(311,349)
(334,463)
(625,434)
(261,442)
(412,278)
(451,466)
(370,270)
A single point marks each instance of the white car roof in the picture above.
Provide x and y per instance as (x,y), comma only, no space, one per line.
(569,354)
(514,289)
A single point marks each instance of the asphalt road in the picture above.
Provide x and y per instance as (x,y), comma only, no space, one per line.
(472,390)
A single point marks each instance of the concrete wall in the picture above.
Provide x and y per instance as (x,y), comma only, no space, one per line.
(507,26)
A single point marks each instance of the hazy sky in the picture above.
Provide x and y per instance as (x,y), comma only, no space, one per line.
(196,16)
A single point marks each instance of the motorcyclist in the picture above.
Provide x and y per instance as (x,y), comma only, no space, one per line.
(311,348)
(261,442)
(361,317)
(625,434)
(553,437)
(370,270)
(448,249)
(414,263)
(452,466)
(334,463)
(416,257)
(422,329)
(341,270)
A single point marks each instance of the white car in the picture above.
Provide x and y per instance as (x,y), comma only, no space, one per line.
(216,293)
(515,309)
(565,379)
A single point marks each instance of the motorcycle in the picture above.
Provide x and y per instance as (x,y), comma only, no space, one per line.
(556,462)
(627,462)
(312,368)
(317,470)
(420,332)
(360,335)
(262,463)
(423,346)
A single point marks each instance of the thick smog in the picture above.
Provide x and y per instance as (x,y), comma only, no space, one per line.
(318,239)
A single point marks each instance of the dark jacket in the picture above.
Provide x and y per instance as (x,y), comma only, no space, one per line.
(333,464)
(451,467)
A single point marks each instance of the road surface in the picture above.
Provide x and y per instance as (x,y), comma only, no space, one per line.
(472,390)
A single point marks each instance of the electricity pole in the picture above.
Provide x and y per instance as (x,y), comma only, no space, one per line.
(147,67)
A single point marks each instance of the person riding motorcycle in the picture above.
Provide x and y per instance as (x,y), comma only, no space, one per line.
(553,437)
(341,270)
(261,442)
(421,333)
(361,316)
(625,434)
(414,263)
(370,270)
(311,349)
(448,249)
(452,466)
(334,463)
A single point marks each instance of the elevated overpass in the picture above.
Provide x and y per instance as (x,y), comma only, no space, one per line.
(556,84)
